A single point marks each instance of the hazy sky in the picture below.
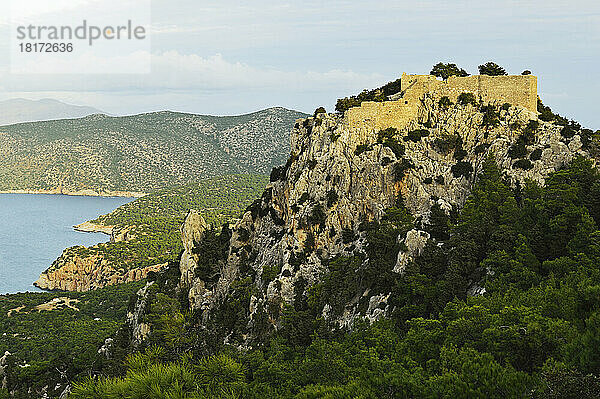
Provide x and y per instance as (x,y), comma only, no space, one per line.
(229,57)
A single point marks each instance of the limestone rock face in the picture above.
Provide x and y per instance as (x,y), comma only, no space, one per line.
(192,232)
(3,365)
(75,272)
(339,177)
(72,272)
(414,241)
(139,329)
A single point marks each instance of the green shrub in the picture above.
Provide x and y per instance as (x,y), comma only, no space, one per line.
(467,98)
(303,198)
(444,71)
(309,243)
(481,148)
(491,69)
(380,94)
(570,129)
(243,234)
(444,102)
(528,135)
(401,167)
(447,143)
(462,168)
(397,148)
(460,154)
(523,164)
(317,217)
(388,137)
(362,148)
(536,154)
(277,173)
(387,134)
(416,135)
(347,236)
(547,115)
(491,117)
(332,198)
(319,110)
(517,150)
(270,272)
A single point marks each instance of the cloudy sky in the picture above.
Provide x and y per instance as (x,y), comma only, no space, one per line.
(228,57)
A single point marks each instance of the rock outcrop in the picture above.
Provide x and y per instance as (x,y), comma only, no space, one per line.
(89,227)
(116,233)
(75,270)
(192,233)
(3,366)
(414,241)
(139,329)
(339,177)
(72,272)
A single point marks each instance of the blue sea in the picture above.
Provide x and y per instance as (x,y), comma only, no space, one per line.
(35,228)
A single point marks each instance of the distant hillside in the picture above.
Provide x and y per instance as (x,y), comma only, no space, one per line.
(20,110)
(140,153)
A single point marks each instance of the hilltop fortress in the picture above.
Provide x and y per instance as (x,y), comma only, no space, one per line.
(519,90)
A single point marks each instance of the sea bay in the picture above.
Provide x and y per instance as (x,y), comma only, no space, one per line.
(35,228)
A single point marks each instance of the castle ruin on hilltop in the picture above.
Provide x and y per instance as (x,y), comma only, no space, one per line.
(519,90)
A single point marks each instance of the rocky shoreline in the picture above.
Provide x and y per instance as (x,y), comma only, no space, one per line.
(88,273)
(89,227)
(79,193)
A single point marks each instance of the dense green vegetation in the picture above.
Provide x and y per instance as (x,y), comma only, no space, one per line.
(444,71)
(492,69)
(51,342)
(154,220)
(141,153)
(533,254)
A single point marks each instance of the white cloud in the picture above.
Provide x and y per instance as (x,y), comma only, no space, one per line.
(172,70)
(25,11)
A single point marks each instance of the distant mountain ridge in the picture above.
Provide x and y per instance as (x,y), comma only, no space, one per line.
(21,110)
(140,153)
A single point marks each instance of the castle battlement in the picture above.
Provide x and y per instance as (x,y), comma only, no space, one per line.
(518,90)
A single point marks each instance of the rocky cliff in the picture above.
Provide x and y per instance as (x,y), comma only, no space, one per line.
(78,270)
(338,178)
(71,272)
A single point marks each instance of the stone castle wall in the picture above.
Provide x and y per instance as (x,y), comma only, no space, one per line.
(374,116)
(519,90)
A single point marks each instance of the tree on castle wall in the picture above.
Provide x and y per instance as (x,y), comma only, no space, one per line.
(491,69)
(444,71)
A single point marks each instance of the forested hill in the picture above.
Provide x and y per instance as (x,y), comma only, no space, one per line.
(140,153)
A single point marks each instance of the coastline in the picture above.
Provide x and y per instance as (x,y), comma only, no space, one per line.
(80,193)
(89,227)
